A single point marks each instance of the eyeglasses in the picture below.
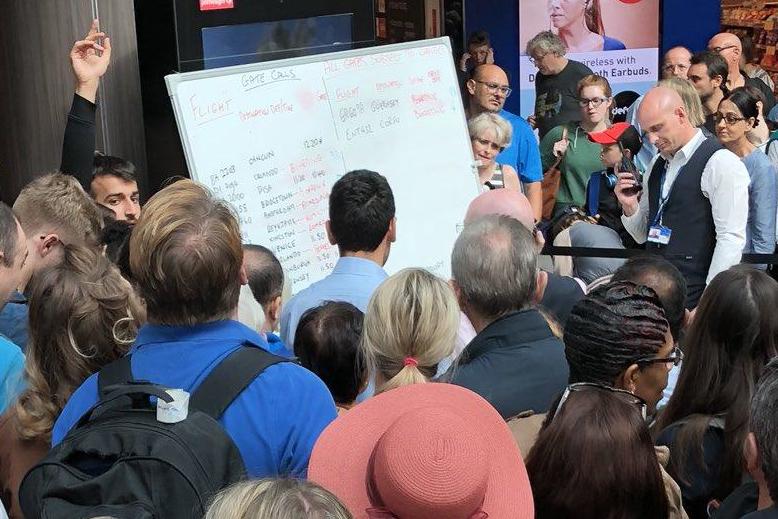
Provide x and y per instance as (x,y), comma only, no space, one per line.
(493,145)
(730,118)
(626,396)
(675,357)
(719,49)
(595,101)
(535,60)
(494,87)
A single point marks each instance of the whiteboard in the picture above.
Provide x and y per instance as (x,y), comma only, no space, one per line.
(271,138)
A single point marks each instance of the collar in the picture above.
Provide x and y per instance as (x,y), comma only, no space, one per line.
(688,149)
(358,266)
(523,326)
(151,334)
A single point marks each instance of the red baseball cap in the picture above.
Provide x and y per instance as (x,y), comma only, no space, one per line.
(610,135)
(423,451)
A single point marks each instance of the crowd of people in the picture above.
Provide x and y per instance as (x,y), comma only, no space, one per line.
(153,365)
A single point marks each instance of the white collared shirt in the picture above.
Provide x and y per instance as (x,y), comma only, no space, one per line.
(725,183)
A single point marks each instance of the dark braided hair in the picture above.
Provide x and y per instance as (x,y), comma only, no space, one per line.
(610,329)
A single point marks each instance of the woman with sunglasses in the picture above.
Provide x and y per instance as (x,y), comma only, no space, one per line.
(580,157)
(615,471)
(738,113)
(733,336)
(489,135)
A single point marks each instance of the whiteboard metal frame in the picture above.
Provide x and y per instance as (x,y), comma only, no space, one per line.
(172,81)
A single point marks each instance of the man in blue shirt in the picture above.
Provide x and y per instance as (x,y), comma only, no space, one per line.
(362,225)
(13,255)
(488,89)
(186,258)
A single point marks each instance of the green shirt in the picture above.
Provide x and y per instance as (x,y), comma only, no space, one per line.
(580,161)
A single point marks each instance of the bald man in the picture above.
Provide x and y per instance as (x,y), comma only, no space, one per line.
(675,63)
(730,48)
(487,91)
(561,292)
(694,207)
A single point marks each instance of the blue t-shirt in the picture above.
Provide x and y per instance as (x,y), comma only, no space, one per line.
(274,422)
(523,153)
(609,43)
(11,372)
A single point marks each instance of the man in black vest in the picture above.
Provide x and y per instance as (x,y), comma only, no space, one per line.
(694,208)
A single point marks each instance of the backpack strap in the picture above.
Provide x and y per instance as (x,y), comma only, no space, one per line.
(228,380)
(117,372)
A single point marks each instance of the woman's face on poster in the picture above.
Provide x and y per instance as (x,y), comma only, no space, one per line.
(565,12)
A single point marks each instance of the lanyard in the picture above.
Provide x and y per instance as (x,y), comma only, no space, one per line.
(663,199)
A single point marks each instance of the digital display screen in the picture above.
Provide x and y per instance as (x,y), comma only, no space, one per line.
(229,45)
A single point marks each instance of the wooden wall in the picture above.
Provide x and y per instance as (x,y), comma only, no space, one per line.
(36,86)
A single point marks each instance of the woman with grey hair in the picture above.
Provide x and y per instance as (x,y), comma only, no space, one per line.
(489,135)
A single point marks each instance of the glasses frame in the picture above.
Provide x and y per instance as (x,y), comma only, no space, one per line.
(725,47)
(730,121)
(494,87)
(596,102)
(675,357)
(579,386)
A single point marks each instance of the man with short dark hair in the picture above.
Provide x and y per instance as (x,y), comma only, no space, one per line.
(115,186)
(708,73)
(515,362)
(186,259)
(479,52)
(111,181)
(487,91)
(363,226)
(13,254)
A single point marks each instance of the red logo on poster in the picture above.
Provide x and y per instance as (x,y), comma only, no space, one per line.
(629,1)
(213,5)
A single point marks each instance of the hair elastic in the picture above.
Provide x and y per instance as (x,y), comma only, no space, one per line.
(410,361)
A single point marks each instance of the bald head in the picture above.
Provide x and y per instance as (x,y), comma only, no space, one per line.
(664,120)
(502,202)
(487,89)
(730,48)
(676,62)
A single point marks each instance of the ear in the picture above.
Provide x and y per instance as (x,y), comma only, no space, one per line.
(273,309)
(244,277)
(457,292)
(681,112)
(391,233)
(628,153)
(470,86)
(47,244)
(628,380)
(717,81)
(330,236)
(688,317)
(541,282)
(751,454)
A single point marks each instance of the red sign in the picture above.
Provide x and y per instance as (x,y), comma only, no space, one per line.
(213,5)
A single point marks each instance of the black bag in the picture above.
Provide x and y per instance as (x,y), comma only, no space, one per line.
(119,461)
